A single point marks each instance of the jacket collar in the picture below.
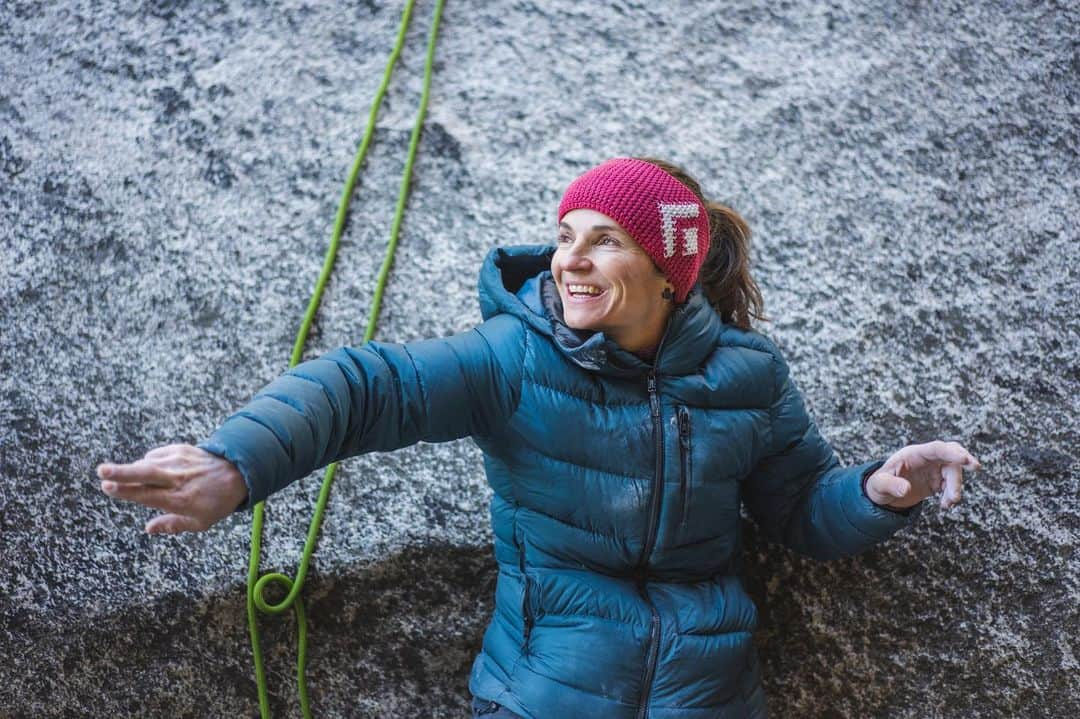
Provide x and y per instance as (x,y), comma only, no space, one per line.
(518,280)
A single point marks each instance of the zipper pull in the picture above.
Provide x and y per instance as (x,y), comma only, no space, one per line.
(684,427)
(654,401)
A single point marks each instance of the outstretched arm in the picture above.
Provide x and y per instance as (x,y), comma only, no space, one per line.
(800,495)
(376,397)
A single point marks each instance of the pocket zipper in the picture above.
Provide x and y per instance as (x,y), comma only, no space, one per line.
(526,608)
(685,458)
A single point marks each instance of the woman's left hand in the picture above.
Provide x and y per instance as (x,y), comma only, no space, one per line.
(920,470)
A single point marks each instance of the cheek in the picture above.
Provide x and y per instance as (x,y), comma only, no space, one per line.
(624,273)
(639,296)
(639,284)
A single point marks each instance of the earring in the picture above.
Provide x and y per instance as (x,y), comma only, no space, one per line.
(667,294)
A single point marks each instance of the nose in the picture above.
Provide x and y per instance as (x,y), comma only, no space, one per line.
(575,258)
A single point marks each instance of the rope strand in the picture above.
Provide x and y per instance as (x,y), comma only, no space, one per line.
(256,585)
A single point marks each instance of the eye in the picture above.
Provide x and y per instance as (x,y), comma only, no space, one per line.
(564,238)
(608,240)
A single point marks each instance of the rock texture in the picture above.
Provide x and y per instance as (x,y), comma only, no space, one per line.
(169,173)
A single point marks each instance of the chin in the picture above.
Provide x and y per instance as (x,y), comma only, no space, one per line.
(580,323)
(584,316)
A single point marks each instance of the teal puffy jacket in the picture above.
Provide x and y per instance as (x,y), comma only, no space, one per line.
(616,488)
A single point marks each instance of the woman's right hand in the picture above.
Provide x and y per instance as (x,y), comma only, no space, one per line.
(194,487)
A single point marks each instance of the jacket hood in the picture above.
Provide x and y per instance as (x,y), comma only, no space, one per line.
(517,280)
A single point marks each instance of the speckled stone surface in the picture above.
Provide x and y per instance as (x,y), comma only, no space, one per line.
(169,173)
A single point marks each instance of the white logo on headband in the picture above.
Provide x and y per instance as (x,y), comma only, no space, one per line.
(668,214)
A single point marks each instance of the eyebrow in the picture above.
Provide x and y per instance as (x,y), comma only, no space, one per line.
(595,228)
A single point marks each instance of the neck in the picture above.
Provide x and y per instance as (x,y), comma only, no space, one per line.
(641,337)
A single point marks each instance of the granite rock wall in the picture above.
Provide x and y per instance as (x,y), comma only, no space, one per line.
(169,174)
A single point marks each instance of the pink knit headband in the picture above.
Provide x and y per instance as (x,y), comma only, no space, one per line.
(660,213)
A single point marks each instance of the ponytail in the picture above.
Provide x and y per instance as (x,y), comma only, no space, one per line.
(725,274)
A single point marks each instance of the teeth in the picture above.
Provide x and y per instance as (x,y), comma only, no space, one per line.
(584,289)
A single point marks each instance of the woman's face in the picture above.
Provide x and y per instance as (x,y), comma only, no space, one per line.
(607,282)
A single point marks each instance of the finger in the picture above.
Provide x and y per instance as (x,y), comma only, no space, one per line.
(952,453)
(140,472)
(174,524)
(164,451)
(156,497)
(891,485)
(894,465)
(900,487)
(954,485)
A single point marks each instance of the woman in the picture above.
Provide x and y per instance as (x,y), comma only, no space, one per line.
(624,408)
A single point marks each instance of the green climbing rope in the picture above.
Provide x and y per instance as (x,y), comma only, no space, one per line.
(257,585)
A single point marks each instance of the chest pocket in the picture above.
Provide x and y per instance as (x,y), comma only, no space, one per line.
(714,448)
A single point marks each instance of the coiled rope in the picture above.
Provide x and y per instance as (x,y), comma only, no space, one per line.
(256,585)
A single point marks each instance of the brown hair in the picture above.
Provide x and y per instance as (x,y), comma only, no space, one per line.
(725,274)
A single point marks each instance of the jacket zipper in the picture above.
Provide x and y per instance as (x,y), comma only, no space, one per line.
(686,469)
(646,550)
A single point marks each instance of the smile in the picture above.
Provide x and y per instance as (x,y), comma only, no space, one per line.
(583,293)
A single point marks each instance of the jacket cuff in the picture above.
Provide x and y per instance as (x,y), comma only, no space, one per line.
(868,517)
(247,465)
